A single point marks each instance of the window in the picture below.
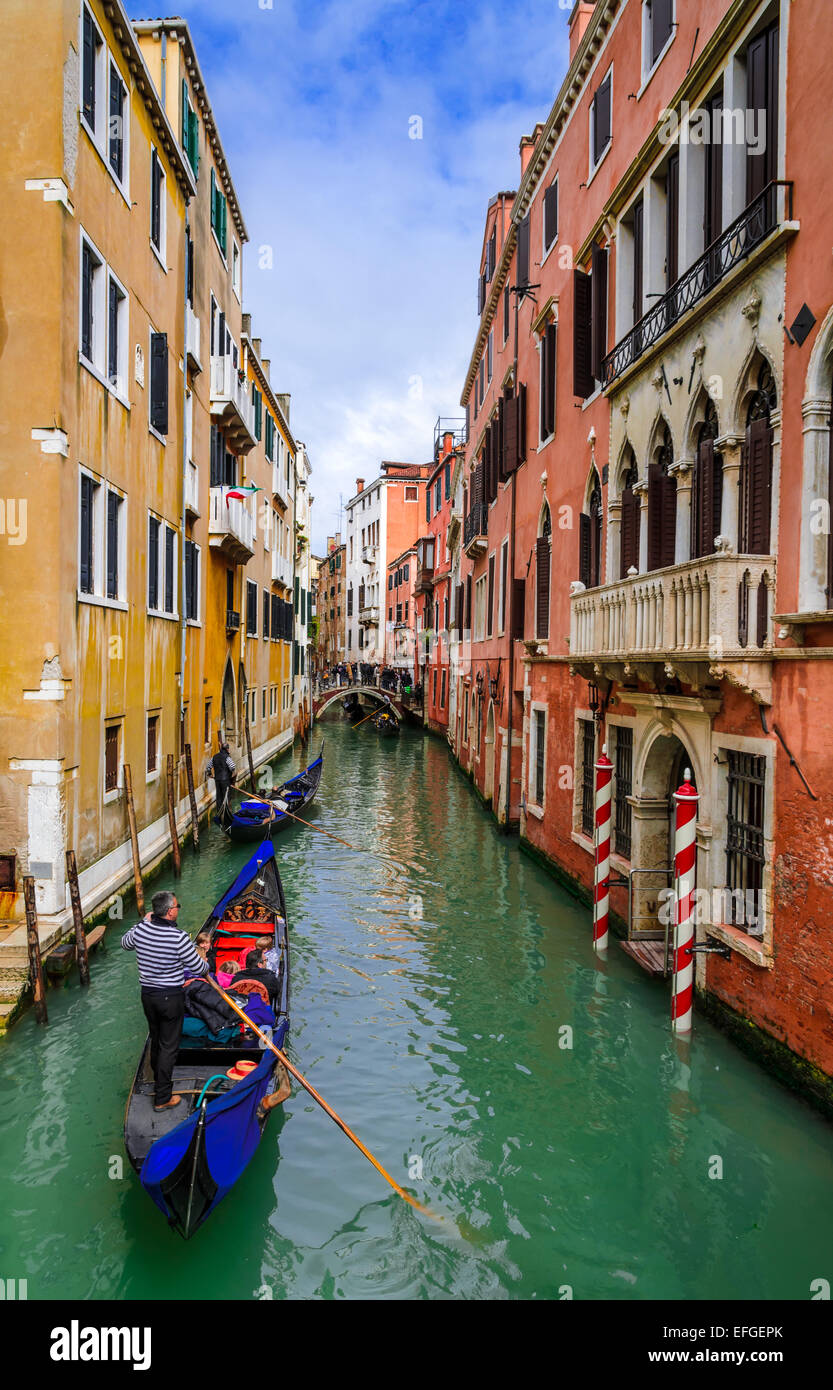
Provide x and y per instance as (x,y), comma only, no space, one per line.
(489,355)
(672,225)
(218,213)
(114,508)
(116,129)
(756,468)
(588,757)
(662,505)
(158,394)
(630,520)
(411,494)
(745,835)
(762,95)
(538,753)
(162,550)
(447,484)
(154,528)
(206,732)
(550,215)
(192,581)
(93,325)
(706,487)
(257,404)
(152,744)
(235,268)
(157,205)
(600,116)
(542,578)
(466,717)
(547,394)
(251,608)
(263,703)
(624,774)
(505,333)
(657,28)
(117,336)
(480,608)
(504,563)
(590,538)
(442,688)
(86,568)
(490,596)
(523,252)
(590,320)
(112,758)
(190,130)
(92,46)
(438,494)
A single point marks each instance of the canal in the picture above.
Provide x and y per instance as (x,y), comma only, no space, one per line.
(447,1003)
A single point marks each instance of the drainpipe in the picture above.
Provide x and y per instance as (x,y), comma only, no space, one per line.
(510,615)
(164,67)
(185,460)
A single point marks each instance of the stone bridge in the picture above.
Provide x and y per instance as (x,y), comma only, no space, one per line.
(325,698)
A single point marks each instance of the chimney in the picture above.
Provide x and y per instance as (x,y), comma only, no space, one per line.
(359,485)
(265,364)
(256,345)
(283,402)
(247,325)
(578,22)
(528,143)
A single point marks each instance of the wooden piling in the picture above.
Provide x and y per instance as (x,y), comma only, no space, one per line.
(33,946)
(195,820)
(81,954)
(249,750)
(172,817)
(134,840)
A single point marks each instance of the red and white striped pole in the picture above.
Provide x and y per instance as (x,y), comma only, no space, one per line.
(685,858)
(601,884)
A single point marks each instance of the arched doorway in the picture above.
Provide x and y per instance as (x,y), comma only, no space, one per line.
(652,852)
(489,774)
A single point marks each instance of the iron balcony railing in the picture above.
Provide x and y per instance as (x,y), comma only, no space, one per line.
(732,246)
(474,524)
(449,424)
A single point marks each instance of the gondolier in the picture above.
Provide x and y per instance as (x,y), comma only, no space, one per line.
(163,954)
(221,768)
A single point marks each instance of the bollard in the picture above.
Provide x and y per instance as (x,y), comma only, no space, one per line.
(134,840)
(78,919)
(601,883)
(33,946)
(685,863)
(172,817)
(195,820)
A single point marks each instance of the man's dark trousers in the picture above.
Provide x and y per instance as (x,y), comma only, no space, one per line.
(164,1011)
(221,791)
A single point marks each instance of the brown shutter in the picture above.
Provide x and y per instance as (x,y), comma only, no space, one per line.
(582,310)
(548,381)
(499,428)
(672,220)
(704,487)
(542,587)
(599,312)
(550,214)
(509,461)
(458,606)
(468,603)
(584,557)
(830,503)
(756,100)
(762,615)
(655,476)
(523,252)
(759,436)
(629,534)
(601,120)
(522,423)
(638,258)
(518,606)
(490,597)
(668,520)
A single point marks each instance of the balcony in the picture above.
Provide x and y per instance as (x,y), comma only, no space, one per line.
(232,621)
(280,489)
(369,615)
(192,339)
(231,404)
(732,246)
(424,583)
(475,525)
(281,570)
(192,490)
(369,554)
(231,527)
(700,622)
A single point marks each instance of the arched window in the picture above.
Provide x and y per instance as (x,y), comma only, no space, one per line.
(629,525)
(756,468)
(543,550)
(590,538)
(662,504)
(706,487)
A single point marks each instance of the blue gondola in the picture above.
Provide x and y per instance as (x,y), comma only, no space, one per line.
(252,819)
(189,1157)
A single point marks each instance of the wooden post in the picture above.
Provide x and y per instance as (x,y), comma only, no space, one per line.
(33,945)
(195,820)
(78,918)
(134,840)
(249,751)
(172,816)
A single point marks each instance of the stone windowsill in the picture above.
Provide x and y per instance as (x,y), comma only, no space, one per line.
(751,947)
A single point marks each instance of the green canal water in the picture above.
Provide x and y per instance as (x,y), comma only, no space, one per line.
(439,978)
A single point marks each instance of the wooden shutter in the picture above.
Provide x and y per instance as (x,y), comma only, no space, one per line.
(468,603)
(759,496)
(490,255)
(672,220)
(661,18)
(522,423)
(517,615)
(584,558)
(713,202)
(509,459)
(762,614)
(551,214)
(116,130)
(756,100)
(88,44)
(458,608)
(86,528)
(523,252)
(655,476)
(490,596)
(112,545)
(638,255)
(599,311)
(629,533)
(87,302)
(481,293)
(169,570)
(583,382)
(542,587)
(506,313)
(668,522)
(153,564)
(548,381)
(703,497)
(113,333)
(601,120)
(159,382)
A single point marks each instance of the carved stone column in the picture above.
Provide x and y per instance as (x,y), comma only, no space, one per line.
(682,541)
(729,446)
(641,490)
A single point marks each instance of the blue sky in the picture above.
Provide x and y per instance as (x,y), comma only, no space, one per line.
(369,312)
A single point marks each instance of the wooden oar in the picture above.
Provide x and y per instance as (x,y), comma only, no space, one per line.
(367,716)
(406,1196)
(266,802)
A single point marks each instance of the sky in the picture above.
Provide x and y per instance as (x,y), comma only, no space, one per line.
(368,310)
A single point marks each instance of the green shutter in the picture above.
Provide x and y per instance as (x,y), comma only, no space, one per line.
(185,121)
(224,207)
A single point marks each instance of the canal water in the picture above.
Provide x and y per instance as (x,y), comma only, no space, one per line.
(446,1002)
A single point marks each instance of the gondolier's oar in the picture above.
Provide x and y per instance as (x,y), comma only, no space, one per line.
(367,716)
(282,1057)
(292,816)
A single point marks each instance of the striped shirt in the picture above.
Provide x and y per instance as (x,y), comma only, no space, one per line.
(163,953)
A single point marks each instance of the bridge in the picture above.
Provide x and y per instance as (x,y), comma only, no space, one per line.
(325,698)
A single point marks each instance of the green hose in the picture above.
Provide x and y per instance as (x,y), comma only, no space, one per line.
(218,1076)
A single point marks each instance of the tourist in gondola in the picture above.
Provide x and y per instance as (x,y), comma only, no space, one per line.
(221,768)
(163,954)
(257,970)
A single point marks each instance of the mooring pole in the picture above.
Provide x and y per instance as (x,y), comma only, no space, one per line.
(81,954)
(686,799)
(601,877)
(134,840)
(172,817)
(249,748)
(195,820)
(33,947)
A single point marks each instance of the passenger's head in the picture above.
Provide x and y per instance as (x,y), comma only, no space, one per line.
(165,904)
(230,967)
(264,942)
(254,960)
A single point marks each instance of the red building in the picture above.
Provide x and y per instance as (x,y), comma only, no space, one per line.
(645,556)
(435,613)
(401,606)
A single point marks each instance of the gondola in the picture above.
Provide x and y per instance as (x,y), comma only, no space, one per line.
(350,705)
(189,1157)
(386,722)
(252,819)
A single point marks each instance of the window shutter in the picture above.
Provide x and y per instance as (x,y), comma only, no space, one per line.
(655,476)
(427,503)
(759,435)
(481,294)
(661,17)
(672,220)
(112,545)
(490,596)
(703,497)
(86,528)
(169,570)
(523,252)
(762,614)
(509,460)
(522,423)
(548,375)
(542,587)
(224,215)
(518,605)
(159,382)
(668,520)
(583,382)
(490,256)
(506,312)
(89,70)
(113,333)
(599,310)
(550,214)
(153,564)
(87,303)
(458,609)
(756,100)
(629,534)
(584,558)
(116,132)
(468,603)
(601,120)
